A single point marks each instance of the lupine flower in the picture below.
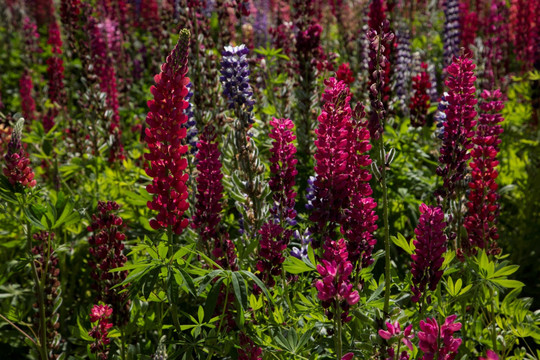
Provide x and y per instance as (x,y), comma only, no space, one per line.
(235,77)
(440,341)
(335,288)
(17,168)
(496,42)
(420,100)
(31,36)
(440,116)
(459,124)
(100,332)
(106,250)
(248,349)
(469,24)
(104,69)
(403,67)
(523,30)
(341,188)
(27,101)
(490,355)
(43,11)
(190,124)
(70,10)
(310,192)
(46,263)
(348,356)
(451,37)
(209,189)
(430,245)
(283,170)
(305,240)
(164,137)
(394,331)
(55,71)
(273,242)
(344,73)
(483,208)
(260,25)
(380,40)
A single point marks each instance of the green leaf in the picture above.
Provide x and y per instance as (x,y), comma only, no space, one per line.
(200,314)
(296,266)
(187,280)
(402,243)
(212,297)
(510,284)
(240,291)
(259,283)
(505,271)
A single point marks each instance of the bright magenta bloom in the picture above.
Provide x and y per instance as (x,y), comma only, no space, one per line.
(27,101)
(490,355)
(483,208)
(164,137)
(335,288)
(439,340)
(430,245)
(459,124)
(100,332)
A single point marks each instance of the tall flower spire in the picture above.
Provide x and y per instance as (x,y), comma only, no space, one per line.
(17,168)
(55,71)
(458,125)
(438,340)
(164,137)
(430,245)
(483,208)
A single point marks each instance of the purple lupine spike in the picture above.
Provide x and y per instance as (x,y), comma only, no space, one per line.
(235,77)
(451,32)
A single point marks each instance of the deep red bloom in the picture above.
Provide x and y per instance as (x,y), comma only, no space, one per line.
(27,101)
(335,287)
(435,340)
(459,124)
(106,250)
(344,73)
(420,100)
(17,168)
(55,72)
(496,42)
(483,208)
(100,332)
(248,349)
(430,245)
(524,31)
(469,24)
(164,137)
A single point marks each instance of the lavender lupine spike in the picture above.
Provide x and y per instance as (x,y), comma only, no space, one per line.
(311,192)
(235,77)
(451,32)
(403,68)
(440,116)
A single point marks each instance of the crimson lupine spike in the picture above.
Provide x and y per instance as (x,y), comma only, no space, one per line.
(344,73)
(439,340)
(430,245)
(248,349)
(106,246)
(483,208)
(459,124)
(55,72)
(420,101)
(524,30)
(335,288)
(469,24)
(17,168)
(100,332)
(164,137)
(46,263)
(27,101)
(209,189)
(496,43)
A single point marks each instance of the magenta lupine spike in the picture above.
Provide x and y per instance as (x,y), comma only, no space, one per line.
(483,208)
(55,72)
(275,235)
(104,69)
(100,314)
(430,245)
(27,101)
(394,331)
(459,124)
(524,30)
(345,73)
(469,24)
(435,339)
(164,137)
(490,355)
(31,36)
(342,185)
(335,288)
(209,189)
(18,170)
(332,184)
(496,43)
(106,250)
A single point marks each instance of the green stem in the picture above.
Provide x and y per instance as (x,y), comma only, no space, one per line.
(211,352)
(286,289)
(387,279)
(123,341)
(494,329)
(337,334)
(41,298)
